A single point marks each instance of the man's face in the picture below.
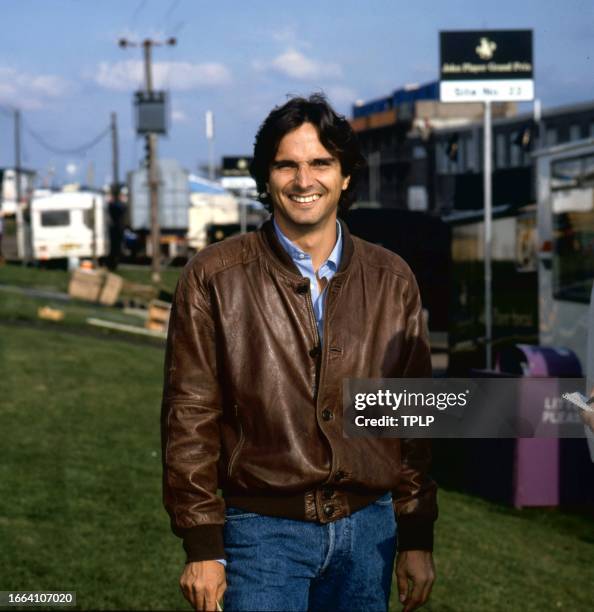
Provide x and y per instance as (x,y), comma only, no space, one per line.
(305,181)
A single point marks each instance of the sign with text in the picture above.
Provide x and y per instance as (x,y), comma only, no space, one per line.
(487,65)
(236,166)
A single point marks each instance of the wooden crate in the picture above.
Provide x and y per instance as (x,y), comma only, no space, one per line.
(111,289)
(85,285)
(139,292)
(158,315)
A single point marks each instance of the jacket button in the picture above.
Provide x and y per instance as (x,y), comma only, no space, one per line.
(315,351)
(327,493)
(302,288)
(328,509)
(339,475)
(327,414)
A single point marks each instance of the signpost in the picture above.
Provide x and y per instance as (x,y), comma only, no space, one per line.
(486,66)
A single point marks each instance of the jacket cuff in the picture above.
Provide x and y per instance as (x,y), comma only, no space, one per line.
(204,543)
(414,533)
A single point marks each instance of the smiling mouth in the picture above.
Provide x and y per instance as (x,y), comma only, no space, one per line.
(305,199)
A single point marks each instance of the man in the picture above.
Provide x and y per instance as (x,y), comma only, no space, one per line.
(263,330)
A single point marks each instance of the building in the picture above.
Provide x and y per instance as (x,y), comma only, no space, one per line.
(458,156)
(428,156)
(396,136)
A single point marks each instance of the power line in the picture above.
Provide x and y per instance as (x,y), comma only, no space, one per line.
(80,150)
(137,11)
(170,10)
(178,28)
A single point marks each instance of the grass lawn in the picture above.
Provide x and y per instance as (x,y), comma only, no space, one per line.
(57,280)
(80,494)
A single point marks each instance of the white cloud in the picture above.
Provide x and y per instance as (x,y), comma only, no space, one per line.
(296,65)
(178,116)
(181,76)
(290,36)
(30,91)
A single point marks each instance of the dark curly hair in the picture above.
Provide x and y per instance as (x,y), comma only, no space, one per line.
(334,131)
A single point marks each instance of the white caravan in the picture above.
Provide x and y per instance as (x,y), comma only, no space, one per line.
(68,224)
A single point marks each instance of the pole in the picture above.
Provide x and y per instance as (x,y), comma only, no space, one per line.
(91,174)
(94,245)
(538,124)
(153,178)
(115,158)
(488,239)
(17,176)
(147,45)
(154,195)
(210,138)
(243,211)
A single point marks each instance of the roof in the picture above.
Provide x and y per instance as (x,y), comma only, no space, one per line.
(199,184)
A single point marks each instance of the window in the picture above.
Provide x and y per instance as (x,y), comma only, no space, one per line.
(88,217)
(461,159)
(441,158)
(575,132)
(572,184)
(471,161)
(55,218)
(515,153)
(573,255)
(572,173)
(500,152)
(551,137)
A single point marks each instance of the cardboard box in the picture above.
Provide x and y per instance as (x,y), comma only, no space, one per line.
(85,285)
(111,289)
(95,286)
(158,315)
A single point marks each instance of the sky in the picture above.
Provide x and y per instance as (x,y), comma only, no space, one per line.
(60,64)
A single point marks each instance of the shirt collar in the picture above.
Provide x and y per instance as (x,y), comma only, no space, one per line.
(297,254)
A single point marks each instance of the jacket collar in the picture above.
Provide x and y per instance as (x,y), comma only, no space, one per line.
(282,257)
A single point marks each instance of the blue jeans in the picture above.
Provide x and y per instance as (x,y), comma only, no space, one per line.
(283,564)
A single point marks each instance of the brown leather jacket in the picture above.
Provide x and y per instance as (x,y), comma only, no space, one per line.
(252,399)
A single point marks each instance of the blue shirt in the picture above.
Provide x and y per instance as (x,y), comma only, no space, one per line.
(304,264)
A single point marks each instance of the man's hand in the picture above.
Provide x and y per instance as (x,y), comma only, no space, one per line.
(417,567)
(203,584)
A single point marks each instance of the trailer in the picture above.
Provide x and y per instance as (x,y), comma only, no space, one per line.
(68,224)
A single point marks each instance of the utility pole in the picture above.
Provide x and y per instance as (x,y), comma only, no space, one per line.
(153,178)
(116,208)
(115,158)
(17,177)
(488,233)
(210,138)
